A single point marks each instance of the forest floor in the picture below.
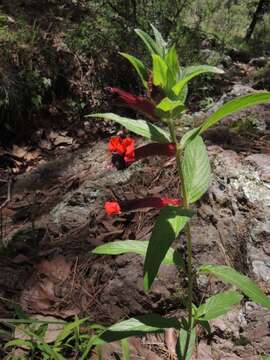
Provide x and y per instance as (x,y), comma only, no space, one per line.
(52,217)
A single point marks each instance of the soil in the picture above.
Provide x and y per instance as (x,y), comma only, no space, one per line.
(55,217)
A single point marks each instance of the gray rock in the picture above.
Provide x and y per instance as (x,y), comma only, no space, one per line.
(262,163)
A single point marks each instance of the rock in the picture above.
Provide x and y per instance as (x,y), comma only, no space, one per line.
(262,163)
(231,227)
(203,352)
(239,55)
(227,326)
(258,62)
(237,90)
(257,329)
(261,269)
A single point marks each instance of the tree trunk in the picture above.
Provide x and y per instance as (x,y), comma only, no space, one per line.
(259,12)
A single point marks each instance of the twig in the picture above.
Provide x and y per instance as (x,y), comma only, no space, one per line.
(3,205)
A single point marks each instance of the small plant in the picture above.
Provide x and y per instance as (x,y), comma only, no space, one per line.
(166,87)
(76,338)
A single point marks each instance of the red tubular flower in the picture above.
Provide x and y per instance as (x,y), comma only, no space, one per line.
(138,103)
(123,147)
(113,207)
(125,154)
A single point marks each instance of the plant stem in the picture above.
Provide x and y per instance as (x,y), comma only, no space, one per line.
(188,236)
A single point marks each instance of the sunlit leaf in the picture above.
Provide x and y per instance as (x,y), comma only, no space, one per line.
(242,282)
(50,351)
(139,66)
(68,329)
(193,71)
(172,62)
(137,326)
(161,43)
(160,70)
(169,108)
(125,349)
(151,45)
(20,343)
(139,127)
(234,105)
(196,169)
(167,104)
(138,247)
(181,343)
(218,305)
(170,222)
(189,136)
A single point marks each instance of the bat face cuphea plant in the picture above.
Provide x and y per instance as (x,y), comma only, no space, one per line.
(166,87)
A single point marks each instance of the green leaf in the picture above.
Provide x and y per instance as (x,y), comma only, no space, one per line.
(139,66)
(218,305)
(160,71)
(205,325)
(170,222)
(138,247)
(188,137)
(266,358)
(151,45)
(167,104)
(161,43)
(20,313)
(93,340)
(196,169)
(231,276)
(48,350)
(68,329)
(125,349)
(180,347)
(169,108)
(139,127)
(193,71)
(183,95)
(172,62)
(234,105)
(19,342)
(137,326)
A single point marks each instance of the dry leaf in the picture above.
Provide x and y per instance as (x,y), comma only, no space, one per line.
(57,270)
(51,333)
(63,140)
(18,151)
(45,144)
(170,340)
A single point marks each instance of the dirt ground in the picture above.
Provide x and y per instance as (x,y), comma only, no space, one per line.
(52,217)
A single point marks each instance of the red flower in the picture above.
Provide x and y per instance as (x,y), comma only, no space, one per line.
(124,153)
(122,146)
(112,207)
(138,103)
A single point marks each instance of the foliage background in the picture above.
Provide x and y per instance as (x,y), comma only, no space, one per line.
(57,56)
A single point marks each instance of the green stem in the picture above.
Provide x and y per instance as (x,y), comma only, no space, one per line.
(188,235)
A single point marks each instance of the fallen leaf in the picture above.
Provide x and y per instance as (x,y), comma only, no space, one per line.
(63,140)
(18,151)
(45,144)
(170,340)
(57,269)
(51,333)
(32,155)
